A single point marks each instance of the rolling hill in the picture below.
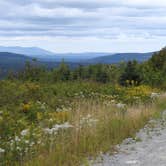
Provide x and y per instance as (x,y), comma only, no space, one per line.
(44,55)
(29,51)
(15,62)
(12,62)
(85,57)
(116,58)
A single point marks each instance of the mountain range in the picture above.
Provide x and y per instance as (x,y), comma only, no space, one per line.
(14,58)
(44,55)
(122,57)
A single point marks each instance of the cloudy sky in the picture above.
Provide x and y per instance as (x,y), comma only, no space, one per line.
(84,25)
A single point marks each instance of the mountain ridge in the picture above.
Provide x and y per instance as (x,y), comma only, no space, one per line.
(119,57)
(29,51)
(84,57)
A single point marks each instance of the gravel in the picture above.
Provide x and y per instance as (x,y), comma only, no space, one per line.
(147,149)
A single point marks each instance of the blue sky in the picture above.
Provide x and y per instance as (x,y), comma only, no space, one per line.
(84,25)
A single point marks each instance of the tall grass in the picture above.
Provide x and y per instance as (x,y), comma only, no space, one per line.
(97,128)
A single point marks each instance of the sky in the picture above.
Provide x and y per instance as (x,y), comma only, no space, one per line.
(84,25)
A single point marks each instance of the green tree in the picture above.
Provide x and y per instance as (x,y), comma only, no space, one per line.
(131,74)
(158,60)
(101,74)
(63,72)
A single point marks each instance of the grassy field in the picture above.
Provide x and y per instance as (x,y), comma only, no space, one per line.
(65,124)
(96,128)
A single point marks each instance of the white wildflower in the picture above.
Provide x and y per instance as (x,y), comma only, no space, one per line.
(27,141)
(154,95)
(18,148)
(2,150)
(24,132)
(42,105)
(88,120)
(120,105)
(31,144)
(50,131)
(62,126)
(39,142)
(112,101)
(11,143)
(56,127)
(26,150)
(17,139)
(51,120)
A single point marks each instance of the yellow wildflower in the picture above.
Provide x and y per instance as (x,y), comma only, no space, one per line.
(26,107)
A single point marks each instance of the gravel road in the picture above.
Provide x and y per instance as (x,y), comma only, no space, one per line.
(148,149)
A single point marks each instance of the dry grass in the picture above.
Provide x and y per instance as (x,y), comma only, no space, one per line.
(106,127)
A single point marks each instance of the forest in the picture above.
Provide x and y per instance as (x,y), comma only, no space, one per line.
(151,72)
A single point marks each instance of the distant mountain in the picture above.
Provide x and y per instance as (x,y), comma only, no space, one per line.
(44,55)
(29,51)
(85,57)
(13,60)
(16,62)
(77,57)
(116,58)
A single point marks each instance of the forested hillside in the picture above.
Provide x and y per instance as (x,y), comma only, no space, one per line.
(11,61)
(122,57)
(150,72)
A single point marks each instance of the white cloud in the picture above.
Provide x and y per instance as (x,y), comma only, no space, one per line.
(103,20)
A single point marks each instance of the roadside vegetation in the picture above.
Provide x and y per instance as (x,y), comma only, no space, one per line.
(67,116)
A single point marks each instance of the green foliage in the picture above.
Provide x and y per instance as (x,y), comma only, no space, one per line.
(63,72)
(131,75)
(158,60)
(153,71)
(96,73)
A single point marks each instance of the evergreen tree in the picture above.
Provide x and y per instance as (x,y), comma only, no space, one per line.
(63,72)
(158,60)
(131,75)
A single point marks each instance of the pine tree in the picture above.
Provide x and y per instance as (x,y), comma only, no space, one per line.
(131,75)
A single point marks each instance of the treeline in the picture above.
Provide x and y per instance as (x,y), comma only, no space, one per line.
(98,73)
(132,73)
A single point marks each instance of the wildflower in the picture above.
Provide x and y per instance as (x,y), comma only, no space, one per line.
(56,127)
(26,107)
(2,150)
(26,150)
(62,126)
(17,139)
(120,105)
(92,122)
(27,141)
(11,142)
(50,131)
(154,95)
(112,101)
(88,120)
(41,105)
(24,132)
(51,120)
(39,142)
(31,144)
